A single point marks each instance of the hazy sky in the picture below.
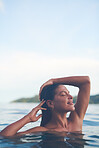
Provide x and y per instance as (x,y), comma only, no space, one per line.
(43,39)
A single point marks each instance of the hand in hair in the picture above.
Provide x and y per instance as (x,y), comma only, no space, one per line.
(32,115)
(49,82)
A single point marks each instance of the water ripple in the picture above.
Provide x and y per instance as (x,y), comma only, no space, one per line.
(94,136)
(90,123)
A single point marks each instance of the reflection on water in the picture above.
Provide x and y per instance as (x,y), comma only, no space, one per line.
(88,138)
(46,140)
(49,140)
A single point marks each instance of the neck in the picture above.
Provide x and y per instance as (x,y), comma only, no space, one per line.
(59,119)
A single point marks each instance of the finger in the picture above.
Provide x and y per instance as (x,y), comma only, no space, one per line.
(43,108)
(42,102)
(39,108)
(39,116)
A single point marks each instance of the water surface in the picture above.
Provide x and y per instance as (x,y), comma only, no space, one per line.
(13,111)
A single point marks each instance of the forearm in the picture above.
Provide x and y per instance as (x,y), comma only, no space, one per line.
(77,81)
(12,129)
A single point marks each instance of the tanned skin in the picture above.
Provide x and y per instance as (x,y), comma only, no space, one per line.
(60,106)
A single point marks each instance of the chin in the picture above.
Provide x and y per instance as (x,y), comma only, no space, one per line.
(72,108)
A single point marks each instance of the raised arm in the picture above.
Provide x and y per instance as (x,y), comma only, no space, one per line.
(83,83)
(12,129)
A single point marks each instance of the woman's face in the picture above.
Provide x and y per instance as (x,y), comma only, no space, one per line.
(63,101)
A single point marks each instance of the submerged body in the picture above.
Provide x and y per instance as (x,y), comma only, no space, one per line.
(59,105)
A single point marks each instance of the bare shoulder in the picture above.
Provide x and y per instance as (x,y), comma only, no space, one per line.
(32,130)
(39,129)
(74,122)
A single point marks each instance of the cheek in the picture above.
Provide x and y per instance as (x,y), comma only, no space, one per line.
(60,103)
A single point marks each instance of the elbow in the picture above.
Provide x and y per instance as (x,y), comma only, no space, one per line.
(86,85)
(88,79)
(2,134)
(87,82)
(5,134)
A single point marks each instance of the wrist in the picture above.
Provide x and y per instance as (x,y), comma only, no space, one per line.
(54,80)
(27,118)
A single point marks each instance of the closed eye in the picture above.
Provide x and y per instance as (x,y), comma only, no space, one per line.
(63,94)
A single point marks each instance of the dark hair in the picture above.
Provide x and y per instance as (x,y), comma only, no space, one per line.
(47,93)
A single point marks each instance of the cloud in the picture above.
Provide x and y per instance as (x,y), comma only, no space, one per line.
(31,66)
(22,73)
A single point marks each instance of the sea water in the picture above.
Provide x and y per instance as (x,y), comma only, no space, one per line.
(89,137)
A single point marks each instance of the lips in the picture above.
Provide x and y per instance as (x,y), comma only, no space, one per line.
(70,103)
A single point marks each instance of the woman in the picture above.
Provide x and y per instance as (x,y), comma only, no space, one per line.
(56,102)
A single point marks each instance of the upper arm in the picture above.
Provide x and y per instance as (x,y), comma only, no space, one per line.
(83,99)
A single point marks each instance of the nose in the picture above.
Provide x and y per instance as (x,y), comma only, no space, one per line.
(70,96)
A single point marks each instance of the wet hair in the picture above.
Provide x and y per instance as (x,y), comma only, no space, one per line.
(47,93)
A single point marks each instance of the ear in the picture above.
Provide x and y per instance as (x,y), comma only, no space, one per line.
(50,103)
